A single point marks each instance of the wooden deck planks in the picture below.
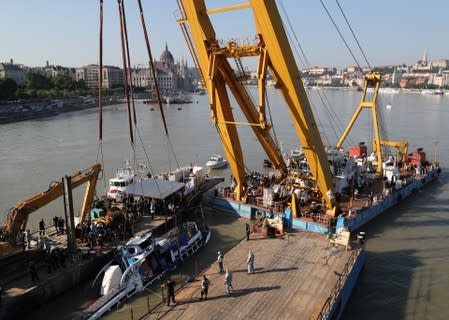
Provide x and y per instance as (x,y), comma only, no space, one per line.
(292,280)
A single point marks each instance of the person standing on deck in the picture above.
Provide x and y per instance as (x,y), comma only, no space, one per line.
(250,261)
(61,225)
(29,238)
(55,223)
(170,284)
(24,241)
(220,261)
(248,231)
(33,272)
(153,208)
(42,227)
(204,287)
(228,281)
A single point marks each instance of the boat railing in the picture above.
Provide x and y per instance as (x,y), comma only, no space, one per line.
(331,300)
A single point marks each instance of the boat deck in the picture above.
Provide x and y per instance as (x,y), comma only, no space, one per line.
(293,278)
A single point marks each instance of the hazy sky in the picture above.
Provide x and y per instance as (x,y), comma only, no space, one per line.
(66,32)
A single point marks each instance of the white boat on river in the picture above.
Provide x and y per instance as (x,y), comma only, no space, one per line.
(216,161)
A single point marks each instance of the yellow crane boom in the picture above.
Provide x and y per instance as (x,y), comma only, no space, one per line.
(274,53)
(401,148)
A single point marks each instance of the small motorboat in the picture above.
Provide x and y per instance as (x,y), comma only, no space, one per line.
(267,163)
(216,161)
(297,154)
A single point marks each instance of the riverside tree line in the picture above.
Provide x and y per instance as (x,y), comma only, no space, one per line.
(37,86)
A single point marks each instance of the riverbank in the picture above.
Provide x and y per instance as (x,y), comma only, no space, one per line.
(28,110)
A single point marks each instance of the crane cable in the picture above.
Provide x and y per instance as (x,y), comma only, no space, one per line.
(302,57)
(341,35)
(156,84)
(125,73)
(355,37)
(129,84)
(300,53)
(306,64)
(151,64)
(100,99)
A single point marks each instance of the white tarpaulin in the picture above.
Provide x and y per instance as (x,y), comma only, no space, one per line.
(154,188)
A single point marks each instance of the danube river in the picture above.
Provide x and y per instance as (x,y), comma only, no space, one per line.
(408,249)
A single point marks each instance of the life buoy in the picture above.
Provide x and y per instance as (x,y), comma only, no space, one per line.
(260,215)
(278,233)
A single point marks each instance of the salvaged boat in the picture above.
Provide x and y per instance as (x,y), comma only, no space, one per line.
(142,261)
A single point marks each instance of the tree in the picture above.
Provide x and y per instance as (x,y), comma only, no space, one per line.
(36,81)
(81,84)
(8,88)
(63,81)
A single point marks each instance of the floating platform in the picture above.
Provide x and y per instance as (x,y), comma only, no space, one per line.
(298,276)
(362,212)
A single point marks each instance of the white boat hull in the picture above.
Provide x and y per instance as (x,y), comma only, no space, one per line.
(216,165)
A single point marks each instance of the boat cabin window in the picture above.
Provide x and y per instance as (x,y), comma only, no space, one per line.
(131,250)
(121,183)
(146,243)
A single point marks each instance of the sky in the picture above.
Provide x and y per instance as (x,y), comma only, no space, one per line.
(66,32)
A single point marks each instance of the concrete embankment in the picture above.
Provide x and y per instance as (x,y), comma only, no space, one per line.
(21,111)
(21,299)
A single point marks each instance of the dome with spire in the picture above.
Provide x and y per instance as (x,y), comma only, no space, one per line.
(167,57)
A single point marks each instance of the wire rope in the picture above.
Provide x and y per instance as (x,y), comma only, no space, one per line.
(100,98)
(306,64)
(355,37)
(341,35)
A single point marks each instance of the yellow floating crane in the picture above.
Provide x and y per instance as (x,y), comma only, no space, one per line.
(274,54)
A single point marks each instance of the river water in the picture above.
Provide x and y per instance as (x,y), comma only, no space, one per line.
(408,249)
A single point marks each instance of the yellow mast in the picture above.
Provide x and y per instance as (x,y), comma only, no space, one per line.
(372,80)
(275,54)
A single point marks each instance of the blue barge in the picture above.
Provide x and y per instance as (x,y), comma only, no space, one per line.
(359,217)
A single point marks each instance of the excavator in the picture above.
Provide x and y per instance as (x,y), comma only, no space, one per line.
(18,215)
(274,55)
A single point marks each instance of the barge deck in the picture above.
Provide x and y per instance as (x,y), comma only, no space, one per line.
(298,276)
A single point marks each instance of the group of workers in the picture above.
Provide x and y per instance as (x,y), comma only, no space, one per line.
(205,282)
